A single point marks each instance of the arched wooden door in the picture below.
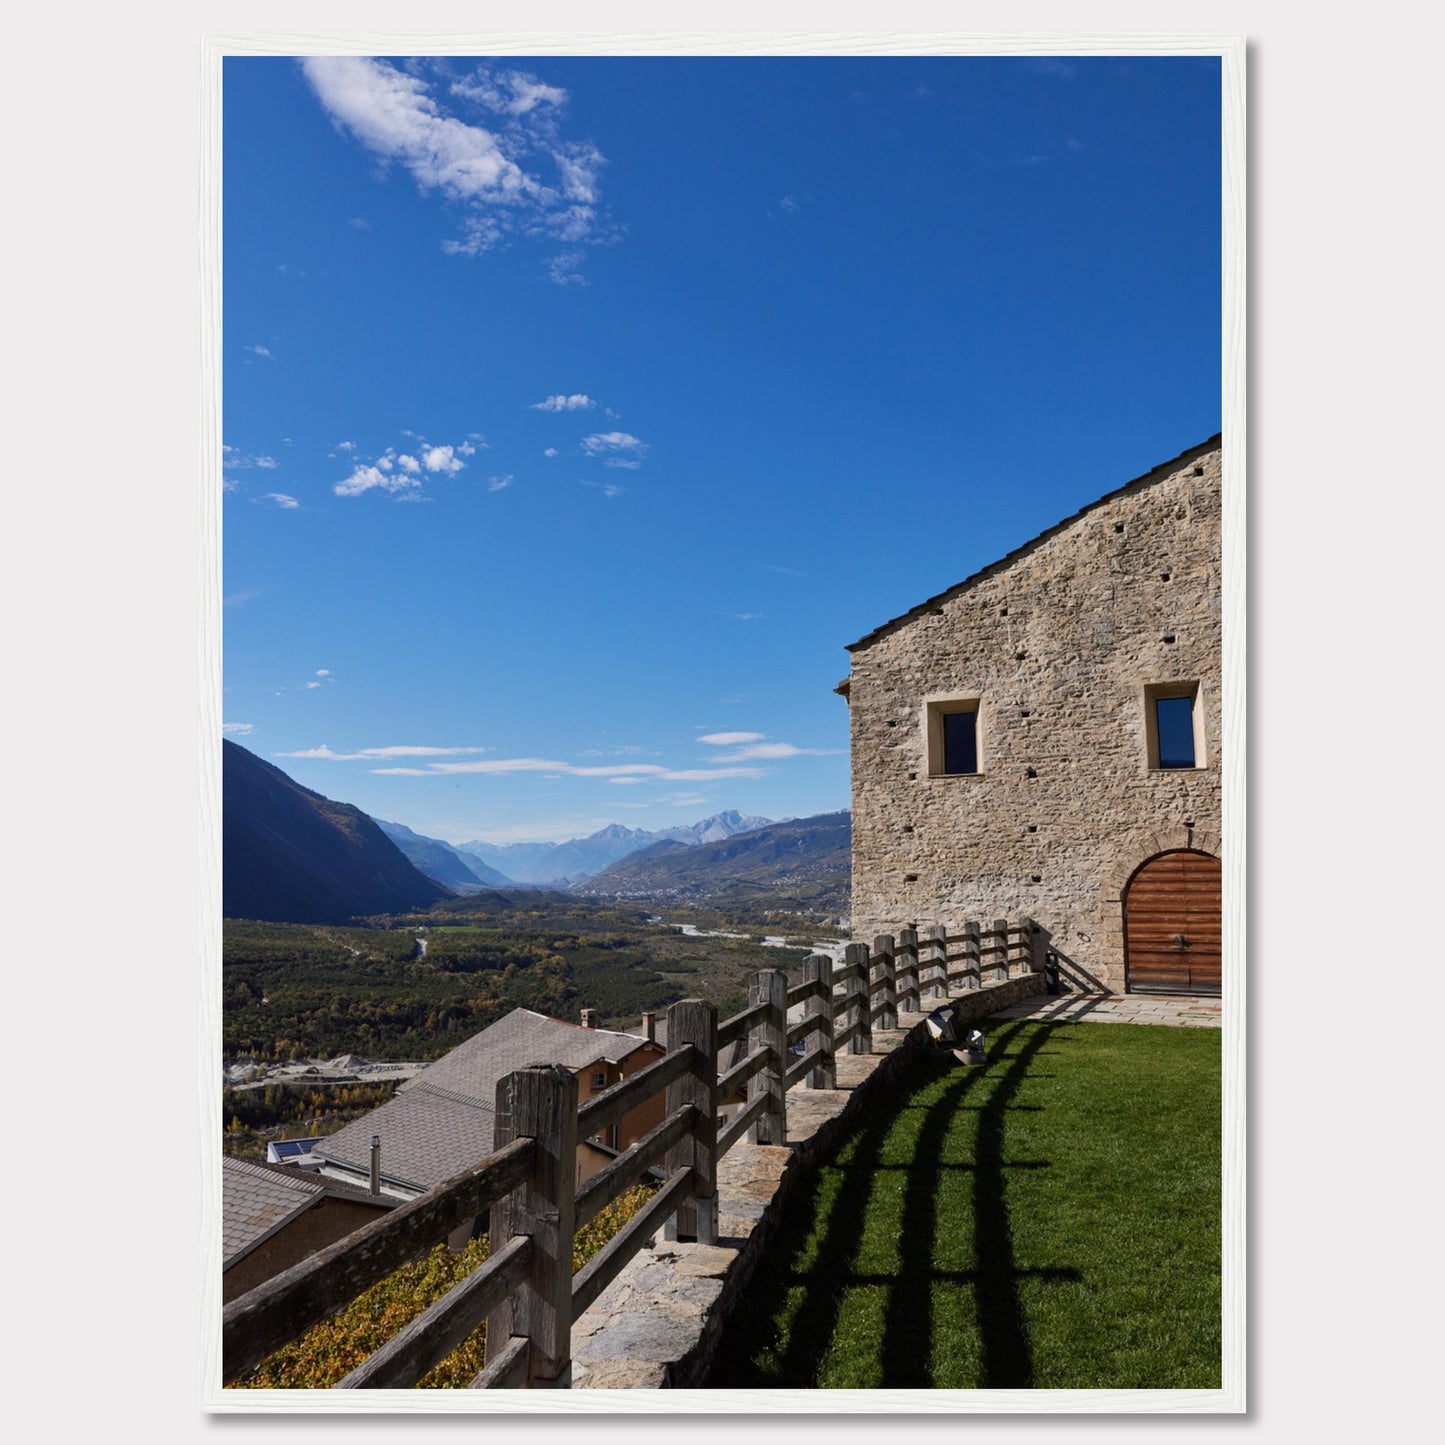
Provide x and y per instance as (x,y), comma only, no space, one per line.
(1172,924)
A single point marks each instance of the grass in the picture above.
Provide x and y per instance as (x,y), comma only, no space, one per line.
(1049,1221)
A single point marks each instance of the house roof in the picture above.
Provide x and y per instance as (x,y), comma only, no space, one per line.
(441,1123)
(1155,474)
(428,1136)
(257,1200)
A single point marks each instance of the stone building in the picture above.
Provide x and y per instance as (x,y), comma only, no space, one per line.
(1043,739)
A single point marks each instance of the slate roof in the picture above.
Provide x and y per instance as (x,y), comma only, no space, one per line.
(1155,474)
(441,1123)
(259,1199)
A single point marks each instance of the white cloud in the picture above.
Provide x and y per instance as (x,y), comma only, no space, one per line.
(346,446)
(499,484)
(562,269)
(750,747)
(789,203)
(602,444)
(309,685)
(394,116)
(578,401)
(507,766)
(403,472)
(260,351)
(508,166)
(237,729)
(359,223)
(608,489)
(375,754)
(622,462)
(441,459)
(746,616)
(234,460)
(366,478)
(550,452)
(287,504)
(772,751)
(323,672)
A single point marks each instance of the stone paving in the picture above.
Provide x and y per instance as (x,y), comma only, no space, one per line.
(1178,1011)
(654,1326)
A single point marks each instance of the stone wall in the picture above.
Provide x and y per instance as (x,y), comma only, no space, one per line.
(1057,642)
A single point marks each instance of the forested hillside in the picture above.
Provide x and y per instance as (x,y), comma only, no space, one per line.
(290,855)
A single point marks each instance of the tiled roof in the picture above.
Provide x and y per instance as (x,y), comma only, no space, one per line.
(523,1037)
(441,1122)
(428,1136)
(257,1199)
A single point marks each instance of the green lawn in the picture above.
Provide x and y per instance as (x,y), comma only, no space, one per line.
(1049,1220)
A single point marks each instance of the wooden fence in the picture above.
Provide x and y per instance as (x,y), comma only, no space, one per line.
(526,1291)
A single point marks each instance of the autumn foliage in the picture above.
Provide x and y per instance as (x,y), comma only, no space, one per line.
(330,1350)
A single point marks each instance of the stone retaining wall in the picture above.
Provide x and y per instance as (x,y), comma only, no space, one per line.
(657,1325)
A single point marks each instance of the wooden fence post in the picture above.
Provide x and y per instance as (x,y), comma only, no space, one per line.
(855,955)
(907,970)
(694,1022)
(770,987)
(1025,948)
(539,1102)
(883,963)
(934,964)
(1038,947)
(818,968)
(972,965)
(1000,956)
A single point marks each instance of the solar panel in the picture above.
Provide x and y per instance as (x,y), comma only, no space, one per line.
(289,1148)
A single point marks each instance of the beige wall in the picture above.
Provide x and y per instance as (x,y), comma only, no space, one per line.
(1058,646)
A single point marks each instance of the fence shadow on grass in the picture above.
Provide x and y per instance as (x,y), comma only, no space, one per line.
(749,1355)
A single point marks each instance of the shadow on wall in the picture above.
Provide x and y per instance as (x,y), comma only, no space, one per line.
(1073,976)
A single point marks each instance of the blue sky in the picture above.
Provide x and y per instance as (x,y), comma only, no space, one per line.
(579,411)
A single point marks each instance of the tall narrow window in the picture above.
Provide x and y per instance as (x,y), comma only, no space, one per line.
(1174,719)
(953,736)
(960,742)
(1176,739)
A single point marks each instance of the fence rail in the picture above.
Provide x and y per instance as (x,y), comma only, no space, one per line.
(526,1291)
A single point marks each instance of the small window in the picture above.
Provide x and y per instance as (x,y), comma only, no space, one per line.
(953,738)
(960,742)
(599,1081)
(1175,730)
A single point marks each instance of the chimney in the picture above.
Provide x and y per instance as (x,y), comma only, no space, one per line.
(376,1163)
(649,1027)
(589,1018)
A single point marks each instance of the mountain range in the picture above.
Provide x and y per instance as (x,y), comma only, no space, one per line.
(289,855)
(801,865)
(580,858)
(441,861)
